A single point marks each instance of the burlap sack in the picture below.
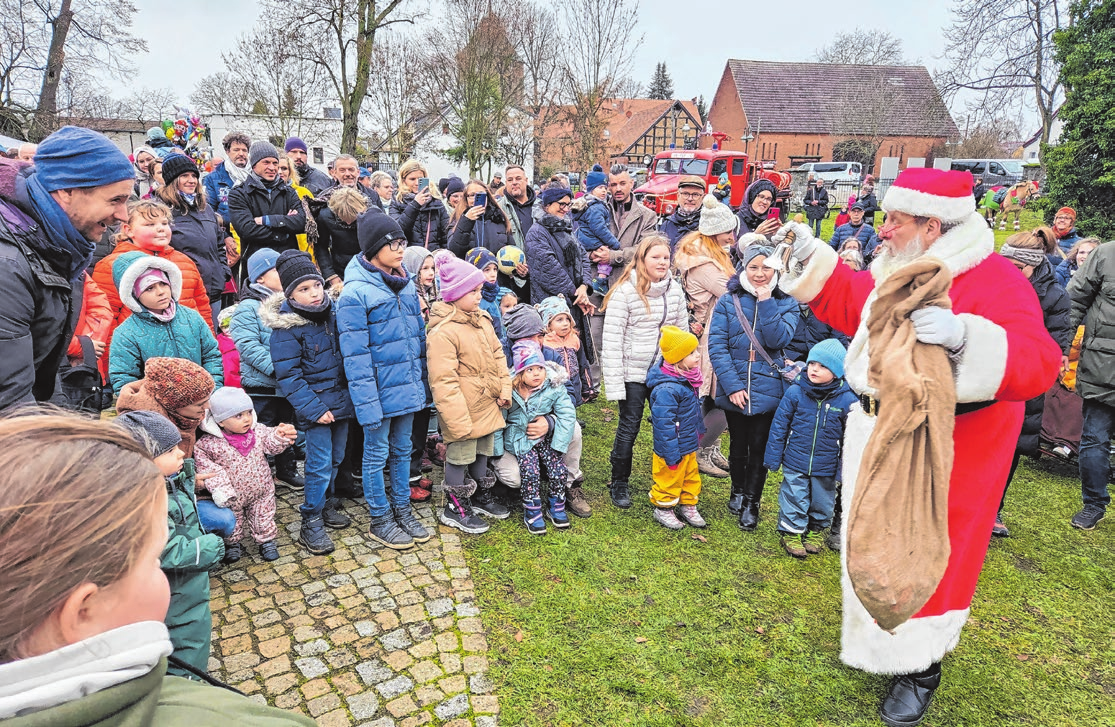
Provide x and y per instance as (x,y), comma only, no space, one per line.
(898,535)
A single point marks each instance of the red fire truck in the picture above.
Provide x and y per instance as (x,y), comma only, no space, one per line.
(660,193)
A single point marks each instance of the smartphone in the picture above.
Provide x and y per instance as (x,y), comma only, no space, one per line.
(481,200)
(774,214)
(423,183)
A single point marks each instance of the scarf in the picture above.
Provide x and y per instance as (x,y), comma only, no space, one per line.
(693,375)
(66,249)
(167,315)
(239,174)
(317,313)
(686,219)
(396,280)
(262,290)
(269,186)
(490,292)
(67,674)
(242,443)
(190,199)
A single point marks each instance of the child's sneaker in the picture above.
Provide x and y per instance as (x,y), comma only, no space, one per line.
(600,286)
(532,517)
(690,516)
(269,551)
(233,552)
(556,512)
(665,517)
(811,541)
(486,502)
(792,545)
(458,514)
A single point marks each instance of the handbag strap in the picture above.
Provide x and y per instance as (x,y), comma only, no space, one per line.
(88,353)
(751,333)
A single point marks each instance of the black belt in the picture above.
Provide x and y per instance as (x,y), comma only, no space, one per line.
(871,405)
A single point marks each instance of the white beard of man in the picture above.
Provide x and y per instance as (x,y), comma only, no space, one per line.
(887,262)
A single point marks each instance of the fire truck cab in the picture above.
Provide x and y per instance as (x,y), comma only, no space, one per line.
(660,193)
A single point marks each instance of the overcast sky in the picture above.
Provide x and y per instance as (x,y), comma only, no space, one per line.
(694,45)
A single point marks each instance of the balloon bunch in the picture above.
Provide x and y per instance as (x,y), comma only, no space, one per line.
(189,134)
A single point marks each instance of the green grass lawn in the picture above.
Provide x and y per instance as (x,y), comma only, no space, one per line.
(621,622)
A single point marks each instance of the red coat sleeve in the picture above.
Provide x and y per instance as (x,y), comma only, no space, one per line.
(835,292)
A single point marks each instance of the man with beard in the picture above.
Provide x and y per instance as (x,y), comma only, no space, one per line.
(220,182)
(1064,227)
(51,215)
(518,203)
(312,179)
(1000,355)
(684,219)
(265,210)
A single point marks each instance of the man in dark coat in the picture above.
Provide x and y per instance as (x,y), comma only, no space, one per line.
(683,220)
(859,229)
(265,210)
(312,179)
(816,201)
(51,215)
(517,203)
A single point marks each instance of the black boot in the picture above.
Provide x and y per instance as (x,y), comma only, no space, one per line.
(333,517)
(909,697)
(754,480)
(286,471)
(735,502)
(312,535)
(832,539)
(620,497)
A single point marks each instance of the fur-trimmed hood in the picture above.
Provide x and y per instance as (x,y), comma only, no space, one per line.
(128,267)
(272,315)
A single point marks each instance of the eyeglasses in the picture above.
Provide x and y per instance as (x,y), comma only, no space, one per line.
(397,244)
(564,205)
(891,225)
(690,195)
(764,198)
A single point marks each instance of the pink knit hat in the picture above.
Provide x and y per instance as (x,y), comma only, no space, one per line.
(457,277)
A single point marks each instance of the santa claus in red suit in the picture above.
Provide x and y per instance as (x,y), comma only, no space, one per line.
(1001,356)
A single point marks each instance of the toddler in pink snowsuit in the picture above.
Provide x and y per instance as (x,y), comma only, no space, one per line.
(233,452)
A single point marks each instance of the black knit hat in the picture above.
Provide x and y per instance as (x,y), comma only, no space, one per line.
(455,185)
(374,230)
(151,429)
(175,165)
(295,267)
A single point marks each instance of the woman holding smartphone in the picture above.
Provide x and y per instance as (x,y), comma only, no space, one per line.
(421,216)
(757,213)
(478,221)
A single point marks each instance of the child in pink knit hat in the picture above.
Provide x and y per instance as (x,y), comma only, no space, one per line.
(470,384)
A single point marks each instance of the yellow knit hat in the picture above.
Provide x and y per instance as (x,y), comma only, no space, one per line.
(676,344)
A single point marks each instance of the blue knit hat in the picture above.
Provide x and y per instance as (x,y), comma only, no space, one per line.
(260,262)
(76,158)
(594,179)
(552,307)
(295,143)
(829,353)
(553,194)
(481,257)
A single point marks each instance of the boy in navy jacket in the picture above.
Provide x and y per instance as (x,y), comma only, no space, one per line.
(805,441)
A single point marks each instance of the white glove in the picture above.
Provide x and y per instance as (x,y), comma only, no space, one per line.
(939,326)
(804,242)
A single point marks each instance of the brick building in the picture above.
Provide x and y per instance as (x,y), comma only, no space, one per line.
(785,114)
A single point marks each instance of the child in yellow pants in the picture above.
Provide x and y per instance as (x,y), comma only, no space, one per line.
(675,413)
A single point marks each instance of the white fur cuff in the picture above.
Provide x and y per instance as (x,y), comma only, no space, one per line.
(806,283)
(983,364)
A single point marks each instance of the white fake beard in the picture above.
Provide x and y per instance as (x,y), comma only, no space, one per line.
(887,262)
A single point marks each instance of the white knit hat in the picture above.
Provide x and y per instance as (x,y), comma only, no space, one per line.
(924,192)
(716,217)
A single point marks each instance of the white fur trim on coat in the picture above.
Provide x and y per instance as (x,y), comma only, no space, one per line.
(915,644)
(961,248)
(982,366)
(137,268)
(805,283)
(923,204)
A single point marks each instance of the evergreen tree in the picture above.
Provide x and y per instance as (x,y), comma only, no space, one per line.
(702,110)
(661,85)
(1080,170)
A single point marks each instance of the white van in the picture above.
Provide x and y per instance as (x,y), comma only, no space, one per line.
(832,172)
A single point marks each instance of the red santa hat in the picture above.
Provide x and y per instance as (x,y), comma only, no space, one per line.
(932,193)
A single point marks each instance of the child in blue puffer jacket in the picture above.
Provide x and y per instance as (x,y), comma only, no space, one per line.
(806,441)
(490,296)
(675,414)
(538,390)
(592,215)
(306,352)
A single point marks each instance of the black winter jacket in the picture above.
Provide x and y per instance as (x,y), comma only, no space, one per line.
(197,235)
(286,217)
(336,243)
(424,226)
(816,211)
(558,264)
(490,231)
(1055,306)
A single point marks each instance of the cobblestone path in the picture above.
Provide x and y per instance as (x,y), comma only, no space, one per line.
(364,636)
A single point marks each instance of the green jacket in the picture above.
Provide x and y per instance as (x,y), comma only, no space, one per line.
(1092,290)
(189,554)
(158,700)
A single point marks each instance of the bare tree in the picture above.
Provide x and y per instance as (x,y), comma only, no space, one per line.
(538,37)
(601,43)
(1002,51)
(986,140)
(394,97)
(863,48)
(220,93)
(340,39)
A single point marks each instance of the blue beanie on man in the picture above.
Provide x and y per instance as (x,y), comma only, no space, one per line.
(77,158)
(829,353)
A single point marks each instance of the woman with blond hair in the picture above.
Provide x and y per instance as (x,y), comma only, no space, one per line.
(478,222)
(420,214)
(83,523)
(308,240)
(703,261)
(644,298)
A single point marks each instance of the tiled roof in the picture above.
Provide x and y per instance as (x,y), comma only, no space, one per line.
(627,120)
(809,98)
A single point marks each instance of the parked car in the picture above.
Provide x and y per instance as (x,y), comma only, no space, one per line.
(995,172)
(832,172)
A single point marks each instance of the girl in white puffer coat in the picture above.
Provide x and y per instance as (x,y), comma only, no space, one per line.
(644,299)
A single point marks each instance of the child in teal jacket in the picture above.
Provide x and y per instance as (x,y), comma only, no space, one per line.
(151,287)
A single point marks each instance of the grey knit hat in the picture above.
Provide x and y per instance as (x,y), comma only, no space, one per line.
(228,401)
(522,321)
(262,150)
(151,429)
